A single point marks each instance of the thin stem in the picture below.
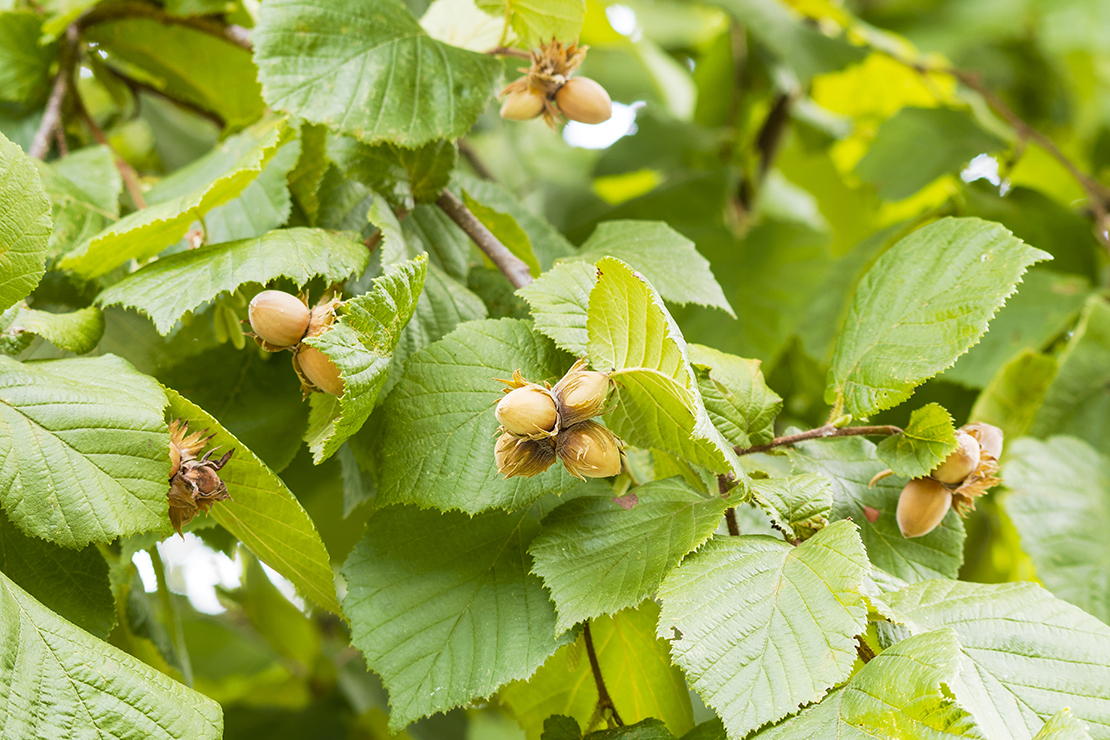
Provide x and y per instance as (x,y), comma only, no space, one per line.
(820,433)
(475,161)
(172,615)
(604,701)
(136,85)
(124,9)
(511,266)
(770,135)
(506,51)
(730,512)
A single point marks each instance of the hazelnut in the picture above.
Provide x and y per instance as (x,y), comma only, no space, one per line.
(921,506)
(583,100)
(589,450)
(528,411)
(580,395)
(961,462)
(522,105)
(522,457)
(988,436)
(278,318)
(319,369)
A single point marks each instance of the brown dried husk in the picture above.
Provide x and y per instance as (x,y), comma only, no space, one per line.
(194,484)
(552,65)
(522,457)
(975,485)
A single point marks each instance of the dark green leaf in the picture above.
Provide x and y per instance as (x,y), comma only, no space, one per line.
(24,62)
(401,174)
(736,396)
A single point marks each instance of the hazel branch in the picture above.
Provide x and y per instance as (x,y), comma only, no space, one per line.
(820,433)
(505,51)
(863,650)
(52,116)
(604,701)
(126,171)
(124,9)
(511,266)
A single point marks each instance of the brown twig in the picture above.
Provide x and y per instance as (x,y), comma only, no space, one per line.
(124,9)
(511,266)
(604,701)
(730,513)
(505,51)
(770,134)
(1097,193)
(820,433)
(126,171)
(863,650)
(475,161)
(52,116)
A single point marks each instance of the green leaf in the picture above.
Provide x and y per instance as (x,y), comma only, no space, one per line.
(444,608)
(223,175)
(72,583)
(439,427)
(263,514)
(658,403)
(922,445)
(1024,653)
(538,21)
(598,556)
(1077,402)
(1064,726)
(429,229)
(1059,501)
(560,301)
(59,681)
(24,63)
(83,189)
(305,178)
(799,506)
(638,673)
(25,226)
(263,205)
(1013,397)
(185,64)
(1044,307)
(402,175)
(75,473)
(736,396)
(803,48)
(917,145)
(791,615)
(921,306)
(169,287)
(507,230)
(850,464)
(548,243)
(361,344)
(666,258)
(901,694)
(79,331)
(369,70)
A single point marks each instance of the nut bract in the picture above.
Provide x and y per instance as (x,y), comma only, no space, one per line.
(589,450)
(522,457)
(319,370)
(583,100)
(522,105)
(961,462)
(278,318)
(528,411)
(580,395)
(921,506)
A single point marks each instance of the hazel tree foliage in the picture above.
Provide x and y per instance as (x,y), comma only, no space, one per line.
(555,370)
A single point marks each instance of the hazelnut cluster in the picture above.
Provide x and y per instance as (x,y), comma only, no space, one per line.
(541,424)
(964,475)
(194,483)
(549,90)
(283,321)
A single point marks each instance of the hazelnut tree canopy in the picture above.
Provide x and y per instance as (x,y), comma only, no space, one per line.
(809,340)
